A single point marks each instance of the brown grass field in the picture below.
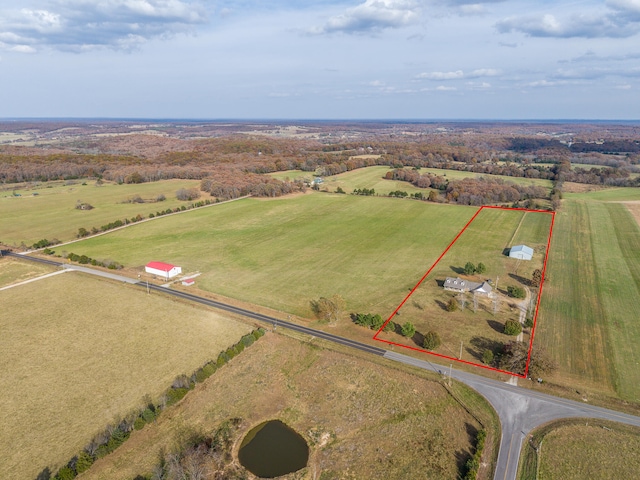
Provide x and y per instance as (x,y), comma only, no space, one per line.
(15,271)
(582,448)
(361,420)
(79,353)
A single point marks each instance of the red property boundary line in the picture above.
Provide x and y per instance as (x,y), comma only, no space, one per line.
(535,317)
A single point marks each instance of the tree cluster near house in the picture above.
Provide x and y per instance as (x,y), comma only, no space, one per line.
(471,269)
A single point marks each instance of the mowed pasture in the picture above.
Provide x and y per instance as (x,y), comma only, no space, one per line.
(369,177)
(285,252)
(52,213)
(79,353)
(361,419)
(588,319)
(486,240)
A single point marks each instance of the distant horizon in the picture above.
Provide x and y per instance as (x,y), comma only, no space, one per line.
(322,120)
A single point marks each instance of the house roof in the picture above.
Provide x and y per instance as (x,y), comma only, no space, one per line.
(467,286)
(189,281)
(522,248)
(484,288)
(165,267)
(460,284)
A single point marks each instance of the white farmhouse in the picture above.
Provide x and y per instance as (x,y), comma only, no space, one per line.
(521,252)
(164,270)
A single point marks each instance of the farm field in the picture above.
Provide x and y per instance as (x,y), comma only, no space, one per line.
(285,252)
(616,194)
(79,353)
(369,177)
(470,330)
(582,448)
(588,318)
(372,177)
(457,175)
(14,271)
(52,213)
(293,175)
(361,419)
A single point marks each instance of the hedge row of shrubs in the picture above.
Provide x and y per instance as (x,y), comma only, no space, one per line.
(83,232)
(84,260)
(44,243)
(474,462)
(116,434)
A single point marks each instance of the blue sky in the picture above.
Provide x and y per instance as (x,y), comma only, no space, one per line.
(329,59)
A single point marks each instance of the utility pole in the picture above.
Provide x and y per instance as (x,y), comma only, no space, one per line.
(450,366)
(460,357)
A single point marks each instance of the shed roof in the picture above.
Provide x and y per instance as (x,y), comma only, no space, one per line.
(522,248)
(165,267)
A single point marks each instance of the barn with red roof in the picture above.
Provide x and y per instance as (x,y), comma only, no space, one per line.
(164,270)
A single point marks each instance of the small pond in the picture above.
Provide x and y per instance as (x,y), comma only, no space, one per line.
(272,449)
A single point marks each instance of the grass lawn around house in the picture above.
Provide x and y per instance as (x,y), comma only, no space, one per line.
(79,353)
(52,213)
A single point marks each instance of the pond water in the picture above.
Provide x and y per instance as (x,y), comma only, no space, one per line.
(272,449)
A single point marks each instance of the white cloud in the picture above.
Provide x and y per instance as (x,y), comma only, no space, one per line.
(81,25)
(372,16)
(441,75)
(485,72)
(626,86)
(620,20)
(474,9)
(458,74)
(444,88)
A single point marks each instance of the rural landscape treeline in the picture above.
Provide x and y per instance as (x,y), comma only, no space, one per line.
(234,165)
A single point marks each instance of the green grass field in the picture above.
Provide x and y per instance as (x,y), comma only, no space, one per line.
(581,448)
(293,175)
(588,317)
(283,253)
(617,194)
(79,353)
(52,213)
(369,177)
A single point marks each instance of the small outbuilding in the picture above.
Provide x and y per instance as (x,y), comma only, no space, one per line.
(521,252)
(164,270)
(187,282)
